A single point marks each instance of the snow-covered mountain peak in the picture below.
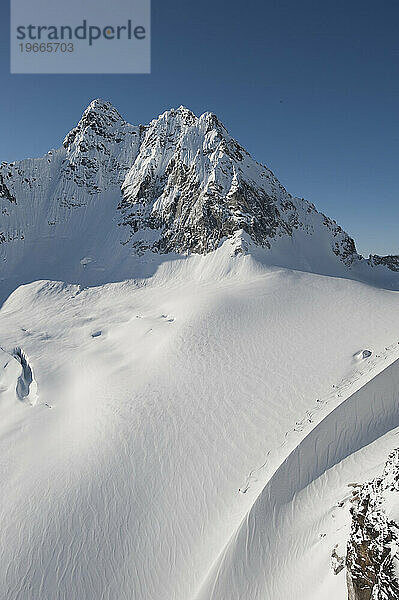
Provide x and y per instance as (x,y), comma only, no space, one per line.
(180,184)
(100,124)
(192,185)
(102,108)
(181,114)
(166,369)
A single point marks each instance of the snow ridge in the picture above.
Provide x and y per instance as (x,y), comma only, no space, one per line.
(247,565)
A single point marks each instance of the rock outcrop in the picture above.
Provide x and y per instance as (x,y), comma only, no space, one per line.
(373,549)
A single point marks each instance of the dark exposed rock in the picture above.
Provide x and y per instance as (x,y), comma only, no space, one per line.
(374,539)
(390,261)
(196,186)
(337,562)
(5,192)
(180,184)
(100,118)
(92,149)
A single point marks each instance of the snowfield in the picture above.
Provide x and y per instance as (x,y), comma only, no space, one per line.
(158,399)
(197,373)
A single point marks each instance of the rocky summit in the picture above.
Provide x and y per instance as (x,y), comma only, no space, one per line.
(195,366)
(181,184)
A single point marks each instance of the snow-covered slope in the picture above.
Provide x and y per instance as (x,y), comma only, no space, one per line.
(283,531)
(194,366)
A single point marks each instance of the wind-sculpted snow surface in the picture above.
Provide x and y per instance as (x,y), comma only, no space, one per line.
(189,323)
(26,386)
(252,566)
(16,377)
(166,392)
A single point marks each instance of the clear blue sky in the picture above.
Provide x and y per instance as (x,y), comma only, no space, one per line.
(310,88)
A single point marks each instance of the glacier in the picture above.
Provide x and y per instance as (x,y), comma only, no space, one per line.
(196,368)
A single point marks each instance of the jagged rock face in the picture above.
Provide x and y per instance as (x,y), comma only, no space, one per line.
(180,184)
(372,554)
(192,185)
(98,153)
(392,262)
(102,143)
(58,208)
(4,191)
